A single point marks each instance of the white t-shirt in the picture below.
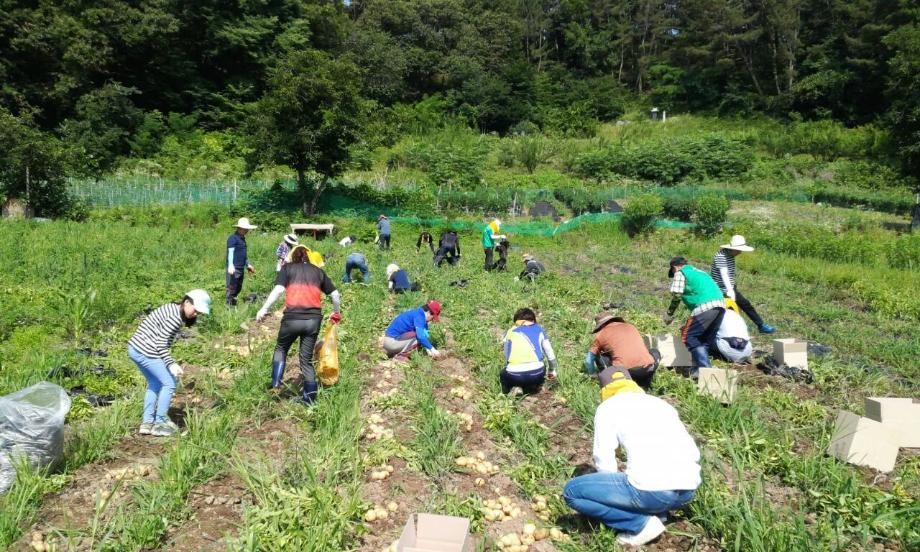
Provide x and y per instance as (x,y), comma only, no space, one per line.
(660,454)
(733,326)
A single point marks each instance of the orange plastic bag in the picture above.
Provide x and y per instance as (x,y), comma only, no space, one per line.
(326,356)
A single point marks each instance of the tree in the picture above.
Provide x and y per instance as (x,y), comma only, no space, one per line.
(32,166)
(904,88)
(308,118)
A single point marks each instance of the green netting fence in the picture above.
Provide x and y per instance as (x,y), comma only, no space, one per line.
(535,228)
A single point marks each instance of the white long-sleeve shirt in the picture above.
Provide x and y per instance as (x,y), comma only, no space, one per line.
(660,453)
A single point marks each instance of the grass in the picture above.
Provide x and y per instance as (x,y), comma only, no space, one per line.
(767,484)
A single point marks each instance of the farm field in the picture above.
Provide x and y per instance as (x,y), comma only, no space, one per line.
(253,473)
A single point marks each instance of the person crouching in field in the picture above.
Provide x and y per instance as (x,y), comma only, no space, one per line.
(619,343)
(149,349)
(662,462)
(302,284)
(425,238)
(398,280)
(532,268)
(409,330)
(732,342)
(527,352)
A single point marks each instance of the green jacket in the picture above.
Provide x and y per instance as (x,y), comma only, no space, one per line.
(487,240)
(700,288)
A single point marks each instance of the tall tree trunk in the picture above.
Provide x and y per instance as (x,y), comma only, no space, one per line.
(304,191)
(318,191)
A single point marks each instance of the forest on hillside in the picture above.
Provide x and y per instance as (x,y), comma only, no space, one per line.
(86,84)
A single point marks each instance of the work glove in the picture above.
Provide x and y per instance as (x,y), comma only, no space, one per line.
(667,319)
(176,370)
(260,316)
(552,374)
(335,318)
(231,271)
(434,353)
(250,269)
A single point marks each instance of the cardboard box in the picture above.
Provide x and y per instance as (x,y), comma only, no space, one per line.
(863,442)
(791,351)
(434,533)
(674,353)
(900,415)
(720,383)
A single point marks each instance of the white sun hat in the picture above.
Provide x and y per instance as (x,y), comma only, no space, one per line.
(200,300)
(244,224)
(391,269)
(738,243)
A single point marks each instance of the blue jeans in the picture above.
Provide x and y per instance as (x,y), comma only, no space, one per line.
(355,262)
(610,499)
(160,386)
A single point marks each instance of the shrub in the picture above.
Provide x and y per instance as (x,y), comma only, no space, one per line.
(530,151)
(679,207)
(594,164)
(709,215)
(640,214)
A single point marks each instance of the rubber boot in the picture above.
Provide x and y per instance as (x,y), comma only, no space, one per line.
(277,373)
(700,360)
(309,393)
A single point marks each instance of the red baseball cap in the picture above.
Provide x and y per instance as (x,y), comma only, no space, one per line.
(435,308)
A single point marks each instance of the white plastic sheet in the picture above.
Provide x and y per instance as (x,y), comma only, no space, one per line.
(31,427)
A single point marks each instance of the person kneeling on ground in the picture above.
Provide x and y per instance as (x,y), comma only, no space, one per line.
(502,249)
(302,285)
(732,342)
(409,330)
(662,462)
(703,299)
(448,249)
(399,280)
(532,268)
(526,347)
(149,349)
(619,343)
(355,261)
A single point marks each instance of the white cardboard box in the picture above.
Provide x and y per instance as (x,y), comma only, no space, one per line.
(791,351)
(674,353)
(434,533)
(720,383)
(863,442)
(900,415)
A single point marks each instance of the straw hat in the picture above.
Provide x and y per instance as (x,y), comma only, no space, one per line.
(290,239)
(603,319)
(244,224)
(738,243)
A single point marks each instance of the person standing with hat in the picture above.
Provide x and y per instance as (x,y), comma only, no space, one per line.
(409,330)
(619,343)
(383,231)
(662,462)
(489,236)
(704,299)
(723,272)
(527,353)
(149,349)
(303,285)
(237,259)
(284,248)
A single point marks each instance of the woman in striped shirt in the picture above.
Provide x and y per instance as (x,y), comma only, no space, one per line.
(149,349)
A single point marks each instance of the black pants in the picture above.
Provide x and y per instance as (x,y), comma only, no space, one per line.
(529,382)
(642,375)
(445,254)
(488,251)
(234,285)
(384,241)
(307,330)
(747,308)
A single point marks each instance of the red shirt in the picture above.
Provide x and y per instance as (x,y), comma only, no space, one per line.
(304,286)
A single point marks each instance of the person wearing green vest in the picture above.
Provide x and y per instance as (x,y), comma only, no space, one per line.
(702,296)
(489,236)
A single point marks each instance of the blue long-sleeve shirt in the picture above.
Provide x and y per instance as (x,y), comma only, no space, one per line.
(236,251)
(411,321)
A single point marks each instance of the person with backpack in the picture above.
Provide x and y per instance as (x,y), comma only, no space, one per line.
(149,348)
(303,284)
(409,330)
(662,462)
(448,249)
(237,259)
(489,236)
(619,343)
(703,298)
(723,273)
(528,353)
